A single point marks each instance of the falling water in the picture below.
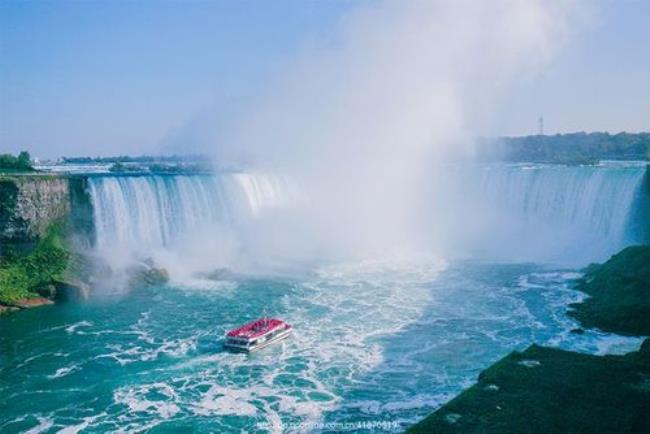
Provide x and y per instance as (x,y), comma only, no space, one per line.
(549,213)
(151,211)
(539,213)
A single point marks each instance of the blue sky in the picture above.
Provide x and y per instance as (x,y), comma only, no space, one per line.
(107,77)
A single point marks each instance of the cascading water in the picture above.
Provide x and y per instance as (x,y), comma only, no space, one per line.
(141,213)
(585,199)
(548,213)
(513,212)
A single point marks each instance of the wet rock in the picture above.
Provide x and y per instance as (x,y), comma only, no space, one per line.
(147,274)
(6,309)
(47,291)
(28,303)
(578,331)
(220,274)
(72,289)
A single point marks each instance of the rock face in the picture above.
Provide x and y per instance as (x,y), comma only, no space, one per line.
(30,204)
(146,274)
(33,302)
(44,219)
(71,289)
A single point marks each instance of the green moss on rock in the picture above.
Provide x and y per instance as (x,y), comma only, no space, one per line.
(551,390)
(619,293)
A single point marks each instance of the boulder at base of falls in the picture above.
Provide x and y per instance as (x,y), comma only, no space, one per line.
(146,274)
(72,289)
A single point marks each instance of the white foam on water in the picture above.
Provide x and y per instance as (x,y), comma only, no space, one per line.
(360,304)
(170,347)
(85,423)
(559,292)
(73,328)
(351,355)
(44,424)
(221,287)
(40,355)
(616,344)
(62,372)
(222,401)
(135,398)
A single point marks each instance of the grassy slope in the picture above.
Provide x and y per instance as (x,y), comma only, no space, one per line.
(619,294)
(22,274)
(567,391)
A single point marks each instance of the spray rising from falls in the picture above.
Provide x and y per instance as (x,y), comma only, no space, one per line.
(567,215)
(547,213)
(357,119)
(146,214)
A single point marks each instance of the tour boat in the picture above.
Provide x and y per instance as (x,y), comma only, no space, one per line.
(257,334)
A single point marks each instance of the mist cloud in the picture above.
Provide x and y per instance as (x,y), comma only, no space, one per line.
(358,126)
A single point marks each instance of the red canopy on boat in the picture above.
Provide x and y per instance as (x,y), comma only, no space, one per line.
(256,328)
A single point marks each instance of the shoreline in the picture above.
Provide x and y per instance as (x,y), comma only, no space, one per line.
(543,389)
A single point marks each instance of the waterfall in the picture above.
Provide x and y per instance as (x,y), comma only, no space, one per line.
(513,212)
(584,199)
(152,211)
(554,213)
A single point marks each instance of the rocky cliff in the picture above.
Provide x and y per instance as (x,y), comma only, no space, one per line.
(39,216)
(30,204)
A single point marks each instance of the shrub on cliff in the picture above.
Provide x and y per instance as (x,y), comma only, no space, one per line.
(22,274)
(121,168)
(22,162)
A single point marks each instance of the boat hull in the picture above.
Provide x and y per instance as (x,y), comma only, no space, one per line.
(280,336)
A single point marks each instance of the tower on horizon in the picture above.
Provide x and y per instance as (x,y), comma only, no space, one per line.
(541,125)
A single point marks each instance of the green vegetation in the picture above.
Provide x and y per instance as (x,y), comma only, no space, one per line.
(118,168)
(551,390)
(620,294)
(177,168)
(22,275)
(575,148)
(164,169)
(20,163)
(125,168)
(140,159)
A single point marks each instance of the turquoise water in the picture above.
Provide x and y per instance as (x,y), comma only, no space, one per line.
(375,343)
